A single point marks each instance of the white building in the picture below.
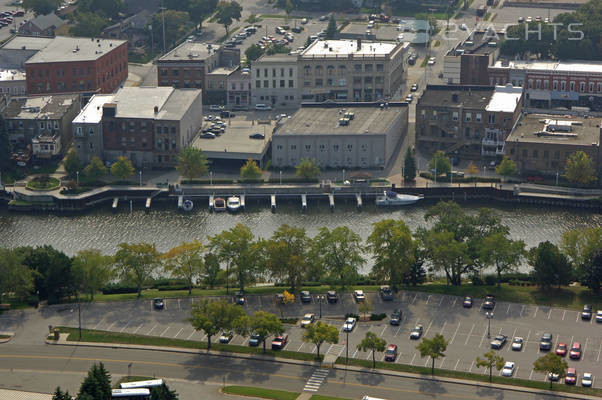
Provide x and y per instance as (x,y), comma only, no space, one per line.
(274,81)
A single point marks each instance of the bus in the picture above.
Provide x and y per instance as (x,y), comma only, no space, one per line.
(131,394)
(142,384)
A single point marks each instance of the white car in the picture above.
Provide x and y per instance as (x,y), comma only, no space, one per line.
(215,107)
(517,344)
(431,61)
(349,324)
(262,107)
(587,379)
(464,27)
(599,316)
(307,320)
(359,295)
(416,333)
(508,369)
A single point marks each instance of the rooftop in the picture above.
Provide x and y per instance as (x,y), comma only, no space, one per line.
(46,21)
(65,49)
(45,107)
(478,43)
(140,102)
(27,43)
(345,47)
(320,118)
(276,58)
(92,112)
(235,143)
(558,66)
(555,129)
(12,75)
(191,51)
(222,71)
(466,96)
(505,99)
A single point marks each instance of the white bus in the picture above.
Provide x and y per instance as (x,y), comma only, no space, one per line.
(131,394)
(142,384)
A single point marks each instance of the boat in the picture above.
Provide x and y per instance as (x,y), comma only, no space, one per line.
(233,203)
(187,205)
(219,205)
(390,198)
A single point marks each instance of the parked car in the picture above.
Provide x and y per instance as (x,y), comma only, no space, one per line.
(255,339)
(279,342)
(158,303)
(517,344)
(586,314)
(305,296)
(239,298)
(553,377)
(464,27)
(492,166)
(414,87)
(226,337)
(508,369)
(599,316)
(262,107)
(395,317)
(207,135)
(359,295)
(332,297)
(307,320)
(431,61)
(561,349)
(323,18)
(575,352)
(571,376)
(215,107)
(349,324)
(489,303)
(416,332)
(546,342)
(409,98)
(587,379)
(498,342)
(227,114)
(257,136)
(391,353)
(467,303)
(521,20)
(304,21)
(297,29)
(386,293)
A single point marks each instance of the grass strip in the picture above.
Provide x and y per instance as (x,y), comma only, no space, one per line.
(5,336)
(260,392)
(320,397)
(97,336)
(473,377)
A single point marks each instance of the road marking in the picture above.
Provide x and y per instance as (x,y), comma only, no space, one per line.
(441,301)
(521,311)
(149,332)
(454,303)
(110,326)
(483,337)
(126,325)
(510,345)
(584,347)
(536,309)
(471,365)
(508,310)
(426,362)
(179,308)
(469,335)
(166,329)
(180,331)
(457,362)
(369,354)
(353,356)
(315,380)
(577,319)
(165,304)
(396,332)
(599,350)
(531,374)
(385,327)
(442,361)
(412,362)
(455,333)
(528,335)
(96,326)
(414,299)
(550,313)
(299,349)
(189,336)
(443,327)
(427,329)
(428,298)
(141,325)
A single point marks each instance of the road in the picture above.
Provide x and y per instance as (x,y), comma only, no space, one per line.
(42,368)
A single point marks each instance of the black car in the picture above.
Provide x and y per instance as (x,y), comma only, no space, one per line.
(227,114)
(305,296)
(546,342)
(587,312)
(296,30)
(386,293)
(332,296)
(257,136)
(395,317)
(489,303)
(412,60)
(414,88)
(467,302)
(158,303)
(239,298)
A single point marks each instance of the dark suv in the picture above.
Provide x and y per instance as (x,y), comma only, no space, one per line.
(489,303)
(395,317)
(587,312)
(332,296)
(305,296)
(385,293)
(546,342)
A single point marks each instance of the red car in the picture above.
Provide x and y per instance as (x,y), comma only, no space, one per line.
(279,342)
(571,376)
(561,349)
(575,352)
(391,352)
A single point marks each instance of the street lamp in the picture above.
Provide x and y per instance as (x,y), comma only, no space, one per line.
(556,178)
(347,348)
(211,177)
(140,174)
(281,177)
(489,315)
(77,177)
(343,176)
(320,298)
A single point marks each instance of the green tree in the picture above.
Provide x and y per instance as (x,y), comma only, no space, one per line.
(185,262)
(163,392)
(265,324)
(238,248)
(15,278)
(372,343)
(286,255)
(331,29)
(253,52)
(109,8)
(308,41)
(580,168)
(5,161)
(226,12)
(506,168)
(447,254)
(432,348)
(409,166)
(499,251)
(92,271)
(72,163)
(200,9)
(250,170)
(337,252)
(307,169)
(122,168)
(96,385)
(277,48)
(60,395)
(550,266)
(579,245)
(551,364)
(393,248)
(96,169)
(177,23)
(88,24)
(288,8)
(41,7)
(212,317)
(192,163)
(320,333)
(440,163)
(490,360)
(211,269)
(136,263)
(590,273)
(365,307)
(416,275)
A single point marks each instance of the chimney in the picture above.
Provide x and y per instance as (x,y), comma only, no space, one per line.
(359,44)
(156,109)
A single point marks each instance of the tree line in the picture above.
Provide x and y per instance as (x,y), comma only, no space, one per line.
(457,245)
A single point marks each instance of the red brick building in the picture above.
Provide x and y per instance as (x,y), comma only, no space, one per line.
(77,65)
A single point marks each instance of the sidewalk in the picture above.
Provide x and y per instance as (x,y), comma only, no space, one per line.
(6,394)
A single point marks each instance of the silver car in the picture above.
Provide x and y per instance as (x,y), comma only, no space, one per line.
(416,333)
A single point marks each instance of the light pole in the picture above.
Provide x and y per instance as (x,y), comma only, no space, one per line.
(489,315)
(211,178)
(77,177)
(343,176)
(347,349)
(140,175)
(556,178)
(79,314)
(281,177)
(320,298)
(163,26)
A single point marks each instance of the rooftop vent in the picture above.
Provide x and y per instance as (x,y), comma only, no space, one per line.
(156,109)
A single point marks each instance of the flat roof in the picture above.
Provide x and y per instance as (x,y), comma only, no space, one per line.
(191,51)
(12,75)
(222,71)
(43,107)
(583,131)
(275,58)
(345,47)
(65,49)
(559,66)
(92,111)
(314,119)
(140,102)
(27,43)
(505,99)
(466,96)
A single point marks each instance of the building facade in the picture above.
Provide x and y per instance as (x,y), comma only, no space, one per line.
(351,70)
(13,82)
(275,81)
(217,85)
(467,63)
(87,128)
(239,89)
(341,135)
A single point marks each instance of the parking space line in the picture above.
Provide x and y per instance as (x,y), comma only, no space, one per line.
(471,365)
(427,329)
(166,329)
(469,335)
(126,325)
(536,309)
(563,315)
(443,327)
(528,336)
(385,327)
(455,333)
(454,303)
(599,350)
(180,331)
(179,308)
(110,326)
(426,362)
(483,337)
(441,301)
(149,332)
(189,336)
(457,362)
(412,362)
(141,325)
(550,313)
(96,326)
(508,309)
(509,346)
(531,374)
(164,304)
(353,356)
(369,355)
(584,347)
(428,298)
(521,311)
(396,332)
(442,361)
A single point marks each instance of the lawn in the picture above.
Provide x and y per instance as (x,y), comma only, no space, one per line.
(43,183)
(97,336)
(5,337)
(320,397)
(260,392)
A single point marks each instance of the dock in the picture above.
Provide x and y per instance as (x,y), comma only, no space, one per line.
(242,201)
(303,202)
(148,204)
(180,202)
(211,203)
(358,198)
(273,202)
(331,201)
(115,203)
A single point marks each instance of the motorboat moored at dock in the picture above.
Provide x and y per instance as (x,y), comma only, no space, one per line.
(390,198)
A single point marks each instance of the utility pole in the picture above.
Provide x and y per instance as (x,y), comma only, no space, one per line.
(163,26)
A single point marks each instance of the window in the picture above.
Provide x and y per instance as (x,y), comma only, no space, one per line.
(330,70)
(599,87)
(563,86)
(266,84)
(546,154)
(492,118)
(257,73)
(329,82)
(265,72)
(41,124)
(279,147)
(380,68)
(467,131)
(290,72)
(335,147)
(582,87)
(468,117)
(318,82)
(273,72)
(530,83)
(281,72)
(591,87)
(357,80)
(454,116)
(342,69)
(368,67)
(78,131)
(572,87)
(56,124)
(322,148)
(546,85)
(175,72)
(258,84)
(368,80)
(342,82)
(291,83)
(91,132)
(357,67)
(282,83)
(318,70)
(307,70)
(307,83)
(535,154)
(478,117)
(525,153)
(293,147)
(364,147)
(379,80)
(556,155)
(434,115)
(274,84)
(307,147)
(555,85)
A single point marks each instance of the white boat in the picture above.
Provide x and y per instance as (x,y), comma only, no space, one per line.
(187,205)
(390,198)
(219,205)
(233,203)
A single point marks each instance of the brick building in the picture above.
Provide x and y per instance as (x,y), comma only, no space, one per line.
(467,62)
(239,89)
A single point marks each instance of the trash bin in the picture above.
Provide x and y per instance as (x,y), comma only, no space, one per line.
(57,333)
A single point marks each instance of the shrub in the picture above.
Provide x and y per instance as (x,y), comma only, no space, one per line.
(352,315)
(289,320)
(312,284)
(172,287)
(378,317)
(490,280)
(477,281)
(365,280)
(162,282)
(118,288)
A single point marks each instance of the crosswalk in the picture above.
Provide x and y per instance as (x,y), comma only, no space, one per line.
(315,380)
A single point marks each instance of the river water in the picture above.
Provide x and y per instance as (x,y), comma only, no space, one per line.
(104,230)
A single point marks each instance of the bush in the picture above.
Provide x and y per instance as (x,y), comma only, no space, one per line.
(293,180)
(378,317)
(289,320)
(490,280)
(205,181)
(162,282)
(352,315)
(119,288)
(172,287)
(477,281)
(365,281)
(312,284)
(469,179)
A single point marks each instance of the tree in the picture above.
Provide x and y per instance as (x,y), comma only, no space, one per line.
(199,9)
(163,392)
(109,8)
(177,24)
(72,163)
(409,166)
(365,307)
(51,269)
(372,343)
(253,52)
(136,263)
(96,169)
(550,266)
(472,169)
(60,395)
(319,333)
(250,170)
(580,245)
(185,262)
(286,255)
(338,252)
(265,324)
(506,168)
(502,253)
(440,163)
(288,8)
(122,168)
(580,168)
(96,385)
(88,24)
(447,254)
(192,163)
(240,251)
(211,269)
(307,169)
(551,364)
(214,316)
(491,360)
(331,29)
(393,248)
(308,42)
(41,7)
(590,273)
(226,12)
(416,274)
(5,161)
(15,277)
(432,348)
(92,271)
